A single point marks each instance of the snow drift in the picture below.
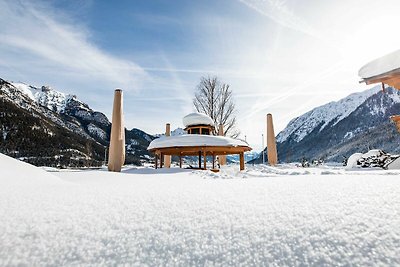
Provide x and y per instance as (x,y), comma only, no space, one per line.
(15,172)
(283,216)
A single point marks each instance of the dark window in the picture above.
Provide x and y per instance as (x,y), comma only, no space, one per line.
(205,131)
(195,131)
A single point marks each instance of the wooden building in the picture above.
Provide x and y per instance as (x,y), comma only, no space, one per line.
(386,71)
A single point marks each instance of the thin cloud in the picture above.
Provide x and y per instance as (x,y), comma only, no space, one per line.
(278,11)
(262,106)
(32,30)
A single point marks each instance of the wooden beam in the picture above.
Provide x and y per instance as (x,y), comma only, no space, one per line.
(392,80)
(161,160)
(205,159)
(394,74)
(180,161)
(156,160)
(213,161)
(241,154)
(199,159)
(194,150)
(167,158)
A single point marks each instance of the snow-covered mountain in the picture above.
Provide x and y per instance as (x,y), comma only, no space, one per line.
(61,123)
(45,96)
(356,123)
(329,114)
(177,131)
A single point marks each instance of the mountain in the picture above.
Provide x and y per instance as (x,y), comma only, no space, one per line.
(177,131)
(47,127)
(356,123)
(248,157)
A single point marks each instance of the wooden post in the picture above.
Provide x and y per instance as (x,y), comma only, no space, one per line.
(221,158)
(180,161)
(271,143)
(241,161)
(199,159)
(213,160)
(167,158)
(156,160)
(205,159)
(116,153)
(161,160)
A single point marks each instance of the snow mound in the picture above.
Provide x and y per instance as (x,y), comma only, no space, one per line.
(15,172)
(197,119)
(352,161)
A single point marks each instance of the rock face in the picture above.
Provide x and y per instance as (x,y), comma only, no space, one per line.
(333,132)
(46,127)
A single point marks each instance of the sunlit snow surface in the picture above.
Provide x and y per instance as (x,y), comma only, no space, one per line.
(263,216)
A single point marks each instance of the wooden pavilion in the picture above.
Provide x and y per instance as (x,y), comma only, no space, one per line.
(199,142)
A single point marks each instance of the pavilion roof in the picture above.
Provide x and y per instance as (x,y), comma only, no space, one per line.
(192,140)
(385,70)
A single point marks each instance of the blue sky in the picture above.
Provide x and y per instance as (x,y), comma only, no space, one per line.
(280,56)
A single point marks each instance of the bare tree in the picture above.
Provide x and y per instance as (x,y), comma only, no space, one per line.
(216,100)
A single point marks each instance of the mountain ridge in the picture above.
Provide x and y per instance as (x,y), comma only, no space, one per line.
(52,115)
(356,123)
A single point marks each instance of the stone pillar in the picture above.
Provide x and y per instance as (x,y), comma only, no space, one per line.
(271,143)
(167,158)
(116,156)
(221,158)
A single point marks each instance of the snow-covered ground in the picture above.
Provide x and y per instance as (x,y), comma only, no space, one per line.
(262,216)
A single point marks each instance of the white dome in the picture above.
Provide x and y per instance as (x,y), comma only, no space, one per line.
(197,119)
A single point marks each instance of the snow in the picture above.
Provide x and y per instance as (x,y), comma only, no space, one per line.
(18,173)
(374,158)
(45,96)
(263,216)
(332,112)
(5,133)
(95,130)
(372,153)
(195,140)
(352,161)
(177,131)
(197,119)
(381,65)
(26,89)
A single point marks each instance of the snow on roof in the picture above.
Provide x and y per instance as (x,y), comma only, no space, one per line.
(381,65)
(196,118)
(195,140)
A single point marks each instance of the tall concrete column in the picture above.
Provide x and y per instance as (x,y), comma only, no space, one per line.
(167,158)
(221,158)
(271,142)
(116,156)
